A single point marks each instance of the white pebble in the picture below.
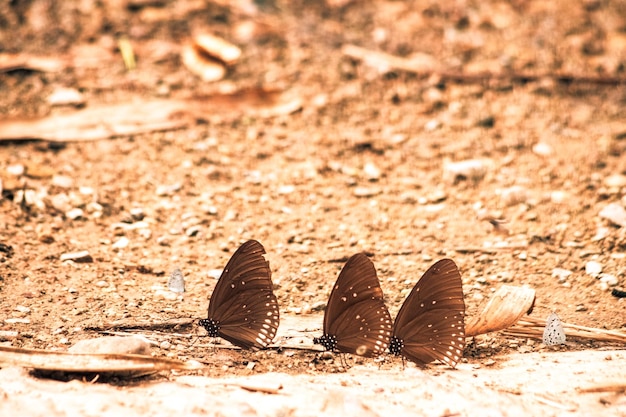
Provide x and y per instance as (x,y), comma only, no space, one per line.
(16,170)
(615,181)
(593,268)
(561,274)
(609,279)
(82,256)
(371,172)
(614,213)
(286,189)
(559,197)
(471,169)
(542,149)
(121,243)
(66,96)
(514,195)
(74,213)
(62,181)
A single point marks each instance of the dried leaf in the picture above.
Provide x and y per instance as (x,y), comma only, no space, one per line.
(109,364)
(202,65)
(217,48)
(505,308)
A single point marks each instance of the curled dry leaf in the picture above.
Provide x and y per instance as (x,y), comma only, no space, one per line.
(202,65)
(217,48)
(110,364)
(505,308)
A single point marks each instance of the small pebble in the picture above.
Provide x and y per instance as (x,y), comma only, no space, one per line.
(365,192)
(514,195)
(17,321)
(471,169)
(593,268)
(251,365)
(22,309)
(371,172)
(82,256)
(561,274)
(164,190)
(16,170)
(137,214)
(62,181)
(192,231)
(286,189)
(74,213)
(121,243)
(165,345)
(318,306)
(614,213)
(542,149)
(8,335)
(609,279)
(559,197)
(615,181)
(66,97)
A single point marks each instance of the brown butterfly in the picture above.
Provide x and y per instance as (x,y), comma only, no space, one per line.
(431,323)
(243,308)
(356,319)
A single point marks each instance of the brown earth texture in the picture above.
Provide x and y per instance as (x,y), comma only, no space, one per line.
(492,133)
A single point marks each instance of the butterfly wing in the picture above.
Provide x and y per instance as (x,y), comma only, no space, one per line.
(431,323)
(243,301)
(553,334)
(356,314)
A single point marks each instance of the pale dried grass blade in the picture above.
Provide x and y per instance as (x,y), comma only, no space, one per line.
(532,327)
(503,310)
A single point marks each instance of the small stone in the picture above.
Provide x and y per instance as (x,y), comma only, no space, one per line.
(66,97)
(559,197)
(561,274)
(319,306)
(16,170)
(62,181)
(22,309)
(82,256)
(121,243)
(6,335)
(192,231)
(371,172)
(365,192)
(251,365)
(286,189)
(593,268)
(164,190)
(581,307)
(176,283)
(471,169)
(609,279)
(74,213)
(137,214)
(615,181)
(17,320)
(514,195)
(614,213)
(542,149)
(113,344)
(165,345)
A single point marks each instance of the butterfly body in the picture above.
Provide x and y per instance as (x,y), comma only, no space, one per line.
(356,319)
(243,308)
(431,323)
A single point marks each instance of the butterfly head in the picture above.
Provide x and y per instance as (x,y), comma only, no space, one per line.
(395,346)
(212,326)
(328,341)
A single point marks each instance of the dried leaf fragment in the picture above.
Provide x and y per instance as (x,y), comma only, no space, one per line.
(202,65)
(217,48)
